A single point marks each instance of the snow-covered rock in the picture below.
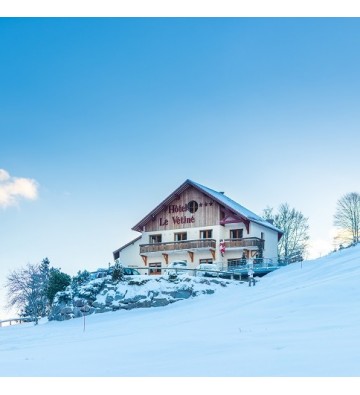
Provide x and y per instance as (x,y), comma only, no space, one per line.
(104,295)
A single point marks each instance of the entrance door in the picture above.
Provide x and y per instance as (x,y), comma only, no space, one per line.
(155,269)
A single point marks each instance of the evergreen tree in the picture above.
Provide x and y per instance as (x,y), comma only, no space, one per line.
(44,269)
(58,281)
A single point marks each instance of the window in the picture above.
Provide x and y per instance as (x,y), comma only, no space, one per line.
(193,206)
(205,261)
(206,234)
(153,239)
(180,236)
(262,236)
(236,233)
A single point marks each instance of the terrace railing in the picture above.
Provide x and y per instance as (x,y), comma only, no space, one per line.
(255,263)
(245,242)
(178,245)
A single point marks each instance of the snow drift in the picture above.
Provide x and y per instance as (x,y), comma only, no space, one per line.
(302,320)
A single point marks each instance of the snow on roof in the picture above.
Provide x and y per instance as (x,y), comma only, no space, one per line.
(127,244)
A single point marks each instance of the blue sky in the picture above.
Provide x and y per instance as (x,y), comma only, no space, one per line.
(109,116)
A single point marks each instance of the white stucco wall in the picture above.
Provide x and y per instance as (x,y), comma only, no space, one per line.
(130,256)
(270,237)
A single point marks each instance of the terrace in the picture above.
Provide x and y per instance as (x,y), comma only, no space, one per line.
(188,245)
(250,243)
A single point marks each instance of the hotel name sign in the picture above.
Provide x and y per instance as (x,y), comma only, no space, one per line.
(182,214)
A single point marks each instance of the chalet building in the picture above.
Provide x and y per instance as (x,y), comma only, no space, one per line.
(199,225)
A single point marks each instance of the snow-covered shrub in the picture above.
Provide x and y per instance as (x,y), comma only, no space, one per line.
(118,272)
(138,281)
(63,297)
(82,277)
(90,290)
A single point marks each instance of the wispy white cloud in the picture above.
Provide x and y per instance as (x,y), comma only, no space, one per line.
(4,175)
(14,188)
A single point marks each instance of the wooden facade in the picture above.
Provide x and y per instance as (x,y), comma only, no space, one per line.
(178,215)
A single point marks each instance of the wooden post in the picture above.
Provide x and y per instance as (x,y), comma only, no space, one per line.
(191,256)
(166,257)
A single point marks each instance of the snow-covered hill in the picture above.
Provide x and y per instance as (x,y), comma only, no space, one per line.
(302,320)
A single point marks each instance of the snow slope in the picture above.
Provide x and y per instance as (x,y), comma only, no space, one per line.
(302,320)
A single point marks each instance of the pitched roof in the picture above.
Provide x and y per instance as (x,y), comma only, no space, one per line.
(219,197)
(224,200)
(127,244)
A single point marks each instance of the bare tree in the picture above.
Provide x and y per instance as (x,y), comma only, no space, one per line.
(347,216)
(25,291)
(293,243)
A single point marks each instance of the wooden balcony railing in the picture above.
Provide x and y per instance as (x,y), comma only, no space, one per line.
(245,242)
(177,245)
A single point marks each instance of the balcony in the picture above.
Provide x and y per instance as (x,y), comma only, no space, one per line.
(187,245)
(251,243)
